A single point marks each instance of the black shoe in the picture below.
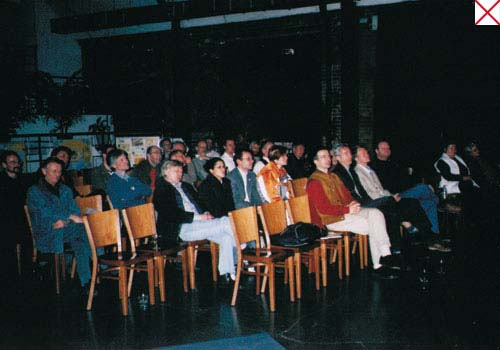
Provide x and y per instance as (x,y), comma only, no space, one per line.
(385,273)
(391,261)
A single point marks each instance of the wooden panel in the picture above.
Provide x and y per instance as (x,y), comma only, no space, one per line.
(141,220)
(104,228)
(299,186)
(92,202)
(244,223)
(298,208)
(273,217)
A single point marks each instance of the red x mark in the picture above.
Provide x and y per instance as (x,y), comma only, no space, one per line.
(487,12)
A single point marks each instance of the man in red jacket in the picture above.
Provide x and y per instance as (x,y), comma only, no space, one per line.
(333,206)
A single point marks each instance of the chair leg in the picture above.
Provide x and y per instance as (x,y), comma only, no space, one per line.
(354,246)
(365,247)
(316,268)
(261,289)
(361,252)
(298,274)
(324,263)
(160,272)
(73,268)
(291,284)
(151,281)
(18,255)
(236,283)
(214,254)
(271,288)
(185,269)
(63,265)
(92,286)
(347,255)
(130,280)
(123,289)
(56,268)
(191,264)
(340,250)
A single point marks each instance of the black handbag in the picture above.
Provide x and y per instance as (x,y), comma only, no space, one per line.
(298,234)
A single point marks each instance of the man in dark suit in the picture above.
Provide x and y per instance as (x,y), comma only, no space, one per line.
(244,181)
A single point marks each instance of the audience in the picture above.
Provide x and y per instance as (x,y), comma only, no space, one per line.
(273,177)
(227,157)
(200,160)
(149,169)
(180,215)
(189,171)
(215,192)
(166,147)
(265,147)
(244,181)
(255,150)
(211,148)
(298,166)
(332,206)
(55,218)
(124,190)
(100,175)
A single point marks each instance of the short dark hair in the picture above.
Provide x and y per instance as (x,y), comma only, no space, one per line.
(173,153)
(49,160)
(113,155)
(238,154)
(228,139)
(164,140)
(356,148)
(150,149)
(317,149)
(104,148)
(380,141)
(210,164)
(58,149)
(7,153)
(299,143)
(276,152)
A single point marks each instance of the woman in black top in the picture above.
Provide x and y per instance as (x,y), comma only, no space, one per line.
(215,192)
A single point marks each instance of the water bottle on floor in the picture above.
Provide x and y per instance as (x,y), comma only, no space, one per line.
(143,301)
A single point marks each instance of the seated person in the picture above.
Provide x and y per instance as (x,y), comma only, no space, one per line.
(200,159)
(456,180)
(273,177)
(100,175)
(407,209)
(149,169)
(215,192)
(211,148)
(332,205)
(298,166)
(55,218)
(166,147)
(255,149)
(123,190)
(244,181)
(483,173)
(227,156)
(64,154)
(396,180)
(265,146)
(180,215)
(188,170)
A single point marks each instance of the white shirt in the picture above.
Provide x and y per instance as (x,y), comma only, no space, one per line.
(228,160)
(244,177)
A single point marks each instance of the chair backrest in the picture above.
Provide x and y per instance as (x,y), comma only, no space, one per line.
(140,222)
(298,209)
(83,190)
(245,226)
(109,202)
(103,229)
(273,217)
(92,202)
(299,186)
(28,220)
(289,188)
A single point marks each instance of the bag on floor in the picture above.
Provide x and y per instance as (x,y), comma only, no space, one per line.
(299,234)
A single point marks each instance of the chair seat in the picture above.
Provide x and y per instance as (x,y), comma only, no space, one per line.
(161,248)
(123,258)
(304,248)
(264,255)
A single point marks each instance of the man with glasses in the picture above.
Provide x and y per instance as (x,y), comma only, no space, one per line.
(244,180)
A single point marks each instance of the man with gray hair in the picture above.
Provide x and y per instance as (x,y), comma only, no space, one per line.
(179,215)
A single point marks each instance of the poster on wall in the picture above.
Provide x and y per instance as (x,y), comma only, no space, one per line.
(136,146)
(82,152)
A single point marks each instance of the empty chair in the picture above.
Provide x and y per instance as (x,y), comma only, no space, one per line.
(274,221)
(141,227)
(103,230)
(245,228)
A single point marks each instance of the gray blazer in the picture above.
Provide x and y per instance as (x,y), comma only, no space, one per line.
(238,189)
(371,183)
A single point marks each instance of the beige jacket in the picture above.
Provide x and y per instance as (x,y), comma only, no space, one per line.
(370,182)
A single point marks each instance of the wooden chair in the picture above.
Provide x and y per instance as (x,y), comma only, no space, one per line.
(245,228)
(83,190)
(103,230)
(274,221)
(192,249)
(93,203)
(299,186)
(59,258)
(299,211)
(141,226)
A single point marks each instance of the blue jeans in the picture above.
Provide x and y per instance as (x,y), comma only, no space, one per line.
(75,235)
(428,200)
(217,230)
